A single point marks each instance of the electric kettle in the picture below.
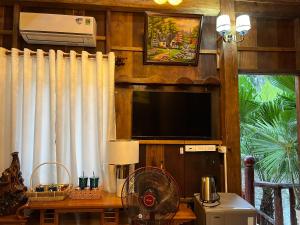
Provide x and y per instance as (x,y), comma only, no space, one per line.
(208,193)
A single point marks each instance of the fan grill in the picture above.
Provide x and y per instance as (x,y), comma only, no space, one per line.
(150,196)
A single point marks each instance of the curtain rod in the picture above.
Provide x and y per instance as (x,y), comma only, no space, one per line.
(8,52)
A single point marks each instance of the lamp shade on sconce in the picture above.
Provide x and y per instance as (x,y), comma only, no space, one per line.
(223,24)
(174,2)
(243,24)
(123,152)
(160,2)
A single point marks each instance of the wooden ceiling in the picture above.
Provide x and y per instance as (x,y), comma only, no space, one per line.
(205,7)
(271,8)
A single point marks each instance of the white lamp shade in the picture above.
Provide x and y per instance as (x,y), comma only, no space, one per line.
(174,2)
(223,24)
(123,152)
(243,24)
(160,1)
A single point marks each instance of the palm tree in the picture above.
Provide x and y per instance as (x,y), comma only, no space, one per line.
(249,109)
(269,131)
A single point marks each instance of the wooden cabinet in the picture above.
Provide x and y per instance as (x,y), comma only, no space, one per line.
(186,167)
(12,220)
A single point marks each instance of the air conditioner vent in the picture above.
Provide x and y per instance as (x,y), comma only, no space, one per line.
(37,28)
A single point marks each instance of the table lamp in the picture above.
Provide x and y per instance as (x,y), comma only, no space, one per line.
(122,153)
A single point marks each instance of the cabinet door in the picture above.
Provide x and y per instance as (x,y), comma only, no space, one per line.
(174,164)
(198,164)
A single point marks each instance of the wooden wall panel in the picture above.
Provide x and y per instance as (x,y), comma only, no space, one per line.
(216,113)
(155,155)
(8,18)
(174,164)
(230,105)
(247,59)
(285,32)
(1,24)
(205,7)
(267,32)
(121,29)
(268,9)
(209,34)
(267,61)
(287,61)
(123,99)
(100,18)
(131,26)
(138,20)
(207,67)
(297,43)
(269,47)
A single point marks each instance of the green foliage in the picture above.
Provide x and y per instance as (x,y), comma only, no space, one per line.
(269,126)
(269,92)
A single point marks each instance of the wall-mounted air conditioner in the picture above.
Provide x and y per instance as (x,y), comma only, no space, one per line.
(40,28)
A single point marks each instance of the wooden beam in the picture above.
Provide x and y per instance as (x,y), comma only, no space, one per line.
(140,49)
(297,43)
(296,2)
(267,9)
(263,71)
(278,206)
(1,25)
(204,7)
(15,30)
(266,49)
(125,48)
(180,142)
(108,31)
(230,104)
(100,38)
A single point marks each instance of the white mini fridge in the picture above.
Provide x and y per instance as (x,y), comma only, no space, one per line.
(233,210)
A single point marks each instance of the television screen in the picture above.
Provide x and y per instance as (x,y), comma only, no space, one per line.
(171,115)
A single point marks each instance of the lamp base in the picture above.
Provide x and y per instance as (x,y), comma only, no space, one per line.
(122,173)
(120,183)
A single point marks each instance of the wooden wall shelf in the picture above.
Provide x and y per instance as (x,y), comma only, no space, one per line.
(140,49)
(211,80)
(266,49)
(180,142)
(6,32)
(266,71)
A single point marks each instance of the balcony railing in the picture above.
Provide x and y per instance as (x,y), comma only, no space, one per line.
(250,184)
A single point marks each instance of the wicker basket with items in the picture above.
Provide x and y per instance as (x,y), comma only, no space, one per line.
(77,193)
(49,192)
(83,191)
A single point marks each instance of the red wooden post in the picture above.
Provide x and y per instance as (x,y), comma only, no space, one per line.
(249,179)
(292,207)
(278,206)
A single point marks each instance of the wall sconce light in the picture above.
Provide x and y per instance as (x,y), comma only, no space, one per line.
(172,2)
(223,27)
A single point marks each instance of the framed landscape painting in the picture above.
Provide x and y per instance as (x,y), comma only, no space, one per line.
(172,39)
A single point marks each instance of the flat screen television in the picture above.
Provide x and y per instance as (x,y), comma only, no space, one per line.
(171,115)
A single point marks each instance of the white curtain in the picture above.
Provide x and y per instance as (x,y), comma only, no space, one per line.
(57,108)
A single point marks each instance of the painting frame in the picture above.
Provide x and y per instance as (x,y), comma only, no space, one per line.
(171,51)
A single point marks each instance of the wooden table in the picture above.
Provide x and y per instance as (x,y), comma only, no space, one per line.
(12,220)
(107,201)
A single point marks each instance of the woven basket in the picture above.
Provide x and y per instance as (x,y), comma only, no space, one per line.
(85,194)
(48,195)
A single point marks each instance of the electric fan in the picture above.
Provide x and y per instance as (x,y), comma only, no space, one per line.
(150,195)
